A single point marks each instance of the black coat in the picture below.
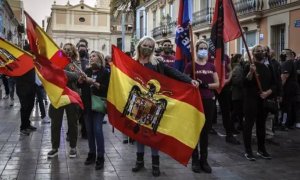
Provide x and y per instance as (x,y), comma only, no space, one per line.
(102,77)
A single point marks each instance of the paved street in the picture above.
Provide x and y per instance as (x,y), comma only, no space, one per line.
(25,157)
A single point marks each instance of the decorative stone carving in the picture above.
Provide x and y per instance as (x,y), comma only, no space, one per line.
(162,3)
(153,7)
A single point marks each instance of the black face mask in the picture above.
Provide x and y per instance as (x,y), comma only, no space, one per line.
(283,57)
(259,56)
(82,53)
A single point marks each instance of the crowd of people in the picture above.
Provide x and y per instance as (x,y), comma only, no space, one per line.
(253,90)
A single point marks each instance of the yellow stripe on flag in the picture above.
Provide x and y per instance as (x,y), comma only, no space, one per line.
(54,92)
(183,130)
(46,46)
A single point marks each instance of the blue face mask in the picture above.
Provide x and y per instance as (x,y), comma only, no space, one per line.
(202,53)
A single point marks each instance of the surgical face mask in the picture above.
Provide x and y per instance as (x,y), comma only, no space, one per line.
(146,51)
(202,53)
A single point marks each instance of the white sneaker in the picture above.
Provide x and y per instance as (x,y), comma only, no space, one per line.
(298,125)
(73,153)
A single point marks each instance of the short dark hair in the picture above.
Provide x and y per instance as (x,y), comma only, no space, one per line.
(165,41)
(82,40)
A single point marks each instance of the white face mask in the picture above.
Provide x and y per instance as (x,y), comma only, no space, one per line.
(202,53)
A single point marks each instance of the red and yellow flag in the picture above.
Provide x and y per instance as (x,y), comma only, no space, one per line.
(13,60)
(54,81)
(153,109)
(43,45)
(50,64)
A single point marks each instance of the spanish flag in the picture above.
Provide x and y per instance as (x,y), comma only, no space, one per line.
(54,81)
(153,109)
(42,44)
(13,60)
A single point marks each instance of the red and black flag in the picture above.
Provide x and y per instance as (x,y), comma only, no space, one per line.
(225,28)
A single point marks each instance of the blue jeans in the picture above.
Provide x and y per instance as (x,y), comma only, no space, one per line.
(141,149)
(93,122)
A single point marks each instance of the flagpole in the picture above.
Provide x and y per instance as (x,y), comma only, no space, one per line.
(192,50)
(246,47)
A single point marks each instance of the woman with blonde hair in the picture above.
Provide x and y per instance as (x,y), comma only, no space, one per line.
(94,83)
(72,110)
(145,56)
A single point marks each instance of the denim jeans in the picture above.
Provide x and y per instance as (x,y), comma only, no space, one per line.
(141,149)
(93,123)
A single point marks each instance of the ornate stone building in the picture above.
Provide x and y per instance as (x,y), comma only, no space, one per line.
(69,23)
(11,17)
(275,23)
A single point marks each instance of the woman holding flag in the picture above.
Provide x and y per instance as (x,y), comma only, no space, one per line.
(95,83)
(208,79)
(145,56)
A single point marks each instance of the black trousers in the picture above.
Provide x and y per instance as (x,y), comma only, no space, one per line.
(254,113)
(292,106)
(237,111)
(209,111)
(224,99)
(27,103)
(5,83)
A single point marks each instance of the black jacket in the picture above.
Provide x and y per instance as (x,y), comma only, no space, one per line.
(102,77)
(169,71)
(266,77)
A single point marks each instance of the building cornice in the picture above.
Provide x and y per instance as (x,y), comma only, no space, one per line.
(281,9)
(82,32)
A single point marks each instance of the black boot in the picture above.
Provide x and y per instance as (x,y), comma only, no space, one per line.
(139,162)
(195,161)
(99,163)
(155,166)
(90,159)
(204,164)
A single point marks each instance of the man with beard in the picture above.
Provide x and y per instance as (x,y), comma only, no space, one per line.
(166,54)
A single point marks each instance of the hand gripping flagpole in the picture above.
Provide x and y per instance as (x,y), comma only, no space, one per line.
(246,47)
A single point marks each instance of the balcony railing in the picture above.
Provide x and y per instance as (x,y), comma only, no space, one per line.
(248,6)
(164,30)
(203,17)
(274,3)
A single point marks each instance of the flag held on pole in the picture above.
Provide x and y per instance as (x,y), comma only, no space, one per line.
(153,109)
(13,60)
(225,28)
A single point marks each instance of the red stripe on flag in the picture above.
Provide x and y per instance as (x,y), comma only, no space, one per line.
(164,143)
(22,65)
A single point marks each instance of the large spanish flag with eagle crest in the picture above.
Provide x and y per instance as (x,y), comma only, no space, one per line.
(153,109)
